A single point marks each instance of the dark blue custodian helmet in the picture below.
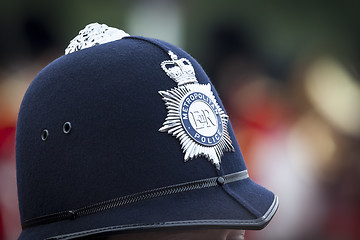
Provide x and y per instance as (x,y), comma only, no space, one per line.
(129,135)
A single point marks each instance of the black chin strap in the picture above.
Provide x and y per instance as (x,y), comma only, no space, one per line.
(128,199)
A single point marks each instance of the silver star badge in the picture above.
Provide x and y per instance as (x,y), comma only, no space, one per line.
(194,117)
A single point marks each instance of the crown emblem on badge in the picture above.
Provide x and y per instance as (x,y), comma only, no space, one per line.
(179,70)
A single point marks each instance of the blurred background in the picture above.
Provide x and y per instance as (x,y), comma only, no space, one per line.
(287,72)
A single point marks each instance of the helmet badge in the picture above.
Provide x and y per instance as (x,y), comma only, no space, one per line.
(194,117)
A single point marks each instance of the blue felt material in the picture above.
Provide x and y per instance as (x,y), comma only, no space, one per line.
(109,93)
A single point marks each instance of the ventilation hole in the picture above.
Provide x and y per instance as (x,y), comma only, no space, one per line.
(67,127)
(44,134)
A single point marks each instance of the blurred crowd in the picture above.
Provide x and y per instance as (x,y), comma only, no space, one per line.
(300,136)
(298,127)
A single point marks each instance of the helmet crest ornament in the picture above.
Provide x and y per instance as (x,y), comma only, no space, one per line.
(94,34)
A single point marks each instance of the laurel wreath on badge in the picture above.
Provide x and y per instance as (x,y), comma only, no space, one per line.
(194,117)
